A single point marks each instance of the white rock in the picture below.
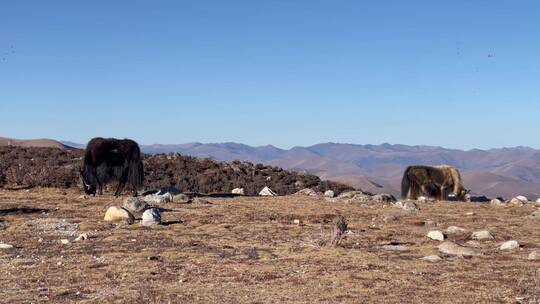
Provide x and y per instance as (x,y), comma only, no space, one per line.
(81,237)
(482,235)
(398,204)
(510,245)
(395,247)
(432,258)
(497,202)
(297,222)
(267,192)
(151,217)
(538,201)
(455,249)
(410,207)
(307,192)
(350,194)
(422,199)
(383,198)
(329,193)
(534,255)
(159,198)
(470,213)
(522,198)
(455,229)
(436,235)
(117,214)
(5,246)
(135,204)
(239,191)
(64,241)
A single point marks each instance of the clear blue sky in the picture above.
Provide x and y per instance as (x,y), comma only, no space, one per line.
(459,74)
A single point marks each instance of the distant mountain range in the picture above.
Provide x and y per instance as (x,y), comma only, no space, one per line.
(503,172)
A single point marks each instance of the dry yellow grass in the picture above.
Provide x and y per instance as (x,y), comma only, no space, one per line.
(248,250)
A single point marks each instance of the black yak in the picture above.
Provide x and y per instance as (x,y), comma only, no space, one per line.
(107,159)
(439,181)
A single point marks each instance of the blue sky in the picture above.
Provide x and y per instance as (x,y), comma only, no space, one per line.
(460,74)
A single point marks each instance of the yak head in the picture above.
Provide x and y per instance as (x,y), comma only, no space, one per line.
(465,195)
(89,187)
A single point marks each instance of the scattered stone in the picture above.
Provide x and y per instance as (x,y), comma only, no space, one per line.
(482,235)
(436,235)
(455,229)
(5,246)
(422,199)
(151,217)
(159,198)
(239,191)
(534,255)
(83,197)
(297,222)
(171,189)
(117,214)
(410,207)
(135,204)
(496,202)
(82,237)
(398,204)
(522,198)
(510,245)
(181,198)
(455,249)
(307,192)
(329,193)
(519,200)
(432,258)
(200,201)
(267,192)
(538,201)
(470,213)
(383,198)
(429,222)
(64,241)
(395,247)
(474,243)
(390,218)
(350,194)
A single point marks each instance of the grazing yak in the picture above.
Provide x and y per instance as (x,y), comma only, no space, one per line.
(438,181)
(107,159)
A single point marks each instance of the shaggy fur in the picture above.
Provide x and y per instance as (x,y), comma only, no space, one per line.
(108,159)
(431,181)
(459,191)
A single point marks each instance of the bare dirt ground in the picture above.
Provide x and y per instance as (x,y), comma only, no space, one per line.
(249,250)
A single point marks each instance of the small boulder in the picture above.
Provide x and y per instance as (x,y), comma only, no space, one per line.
(436,235)
(5,246)
(306,192)
(395,247)
(496,202)
(329,193)
(350,194)
(117,214)
(482,235)
(519,200)
(538,201)
(455,229)
(267,192)
(455,249)
(534,255)
(64,241)
(82,237)
(432,258)
(135,204)
(410,207)
(238,191)
(383,198)
(151,217)
(422,199)
(200,201)
(509,245)
(181,198)
(158,198)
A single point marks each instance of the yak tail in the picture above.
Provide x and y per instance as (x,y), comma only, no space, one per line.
(136,174)
(405,184)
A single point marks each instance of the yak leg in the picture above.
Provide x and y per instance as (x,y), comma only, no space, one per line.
(121,183)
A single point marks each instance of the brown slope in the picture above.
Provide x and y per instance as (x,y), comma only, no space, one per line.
(40,143)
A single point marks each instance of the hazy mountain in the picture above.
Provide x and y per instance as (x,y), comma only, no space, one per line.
(378,168)
(42,142)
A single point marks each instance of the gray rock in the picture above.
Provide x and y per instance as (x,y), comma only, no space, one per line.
(239,191)
(534,255)
(307,192)
(482,235)
(5,246)
(383,198)
(151,217)
(410,207)
(117,214)
(455,229)
(432,258)
(455,249)
(158,198)
(436,235)
(350,194)
(200,201)
(509,245)
(496,202)
(395,247)
(181,199)
(82,237)
(267,192)
(135,204)
(329,193)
